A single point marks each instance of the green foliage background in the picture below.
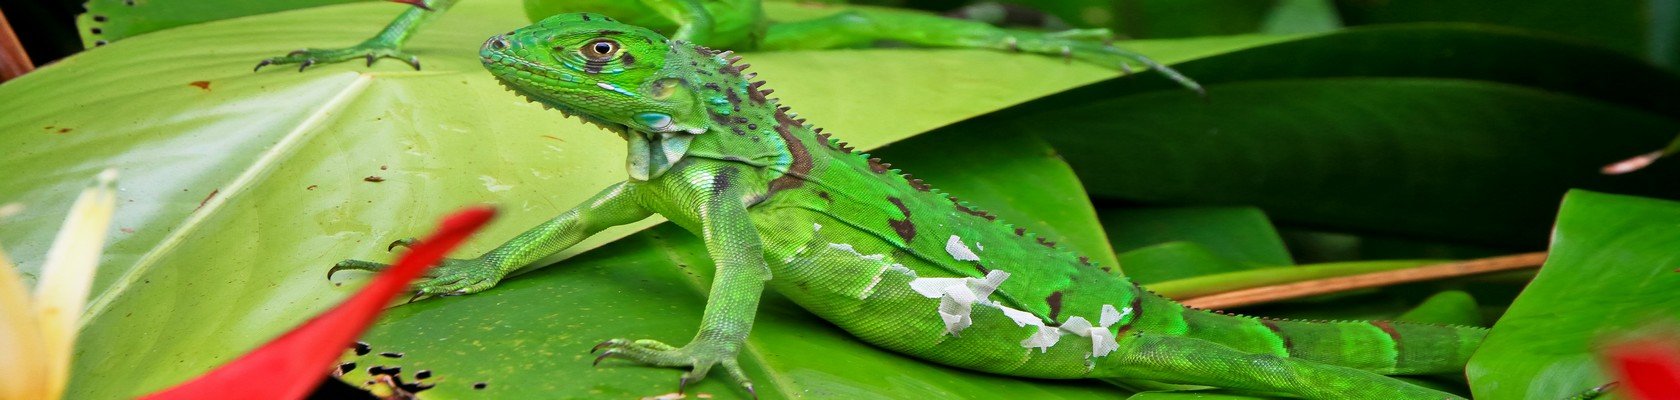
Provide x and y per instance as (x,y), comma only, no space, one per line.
(1321,150)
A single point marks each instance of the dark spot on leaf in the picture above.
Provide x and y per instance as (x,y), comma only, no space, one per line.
(206,200)
(96,31)
(480,386)
(98,18)
(362,348)
(63,130)
(345,368)
(423,374)
(374,178)
(384,370)
(100,42)
(201,85)
(311,187)
(824,195)
(391,354)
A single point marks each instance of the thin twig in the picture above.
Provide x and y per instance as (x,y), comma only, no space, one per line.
(1266,294)
(13,61)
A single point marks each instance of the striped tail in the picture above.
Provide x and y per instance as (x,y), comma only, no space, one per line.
(1384,347)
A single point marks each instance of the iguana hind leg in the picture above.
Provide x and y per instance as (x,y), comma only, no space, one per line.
(862,28)
(386,44)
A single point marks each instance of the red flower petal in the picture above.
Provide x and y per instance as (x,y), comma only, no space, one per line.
(1647,369)
(290,366)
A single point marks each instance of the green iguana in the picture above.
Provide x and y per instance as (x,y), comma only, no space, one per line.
(881,255)
(742,25)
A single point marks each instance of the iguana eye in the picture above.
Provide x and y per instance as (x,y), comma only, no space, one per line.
(600,49)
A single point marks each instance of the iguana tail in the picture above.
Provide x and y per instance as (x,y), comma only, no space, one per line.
(1384,347)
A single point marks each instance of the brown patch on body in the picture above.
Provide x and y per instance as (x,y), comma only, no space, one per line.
(1388,328)
(1288,345)
(795,175)
(1055,303)
(721,181)
(1045,243)
(904,228)
(971,211)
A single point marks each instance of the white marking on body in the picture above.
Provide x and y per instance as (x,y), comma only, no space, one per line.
(1103,341)
(876,280)
(958,295)
(960,250)
(1045,337)
(816,227)
(844,247)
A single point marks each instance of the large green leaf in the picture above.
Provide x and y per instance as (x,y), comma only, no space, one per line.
(1640,28)
(1294,128)
(240,187)
(1437,158)
(1612,271)
(525,335)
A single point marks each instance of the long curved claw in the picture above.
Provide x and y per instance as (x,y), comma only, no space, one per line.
(405,242)
(261,64)
(605,344)
(355,265)
(603,356)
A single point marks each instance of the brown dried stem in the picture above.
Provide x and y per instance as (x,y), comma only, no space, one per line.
(1267,294)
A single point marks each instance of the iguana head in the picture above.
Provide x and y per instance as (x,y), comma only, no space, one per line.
(624,78)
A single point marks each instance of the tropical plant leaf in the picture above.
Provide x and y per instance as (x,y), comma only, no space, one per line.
(1611,273)
(1638,28)
(1164,244)
(1387,155)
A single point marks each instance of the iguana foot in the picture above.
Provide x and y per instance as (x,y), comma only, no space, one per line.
(699,356)
(453,277)
(371,51)
(1090,45)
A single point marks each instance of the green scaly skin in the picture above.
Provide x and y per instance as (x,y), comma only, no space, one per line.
(742,25)
(879,254)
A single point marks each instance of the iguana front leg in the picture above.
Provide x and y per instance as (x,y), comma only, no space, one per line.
(386,44)
(733,243)
(617,205)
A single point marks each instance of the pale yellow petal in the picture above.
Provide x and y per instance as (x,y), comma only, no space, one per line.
(61,294)
(23,365)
